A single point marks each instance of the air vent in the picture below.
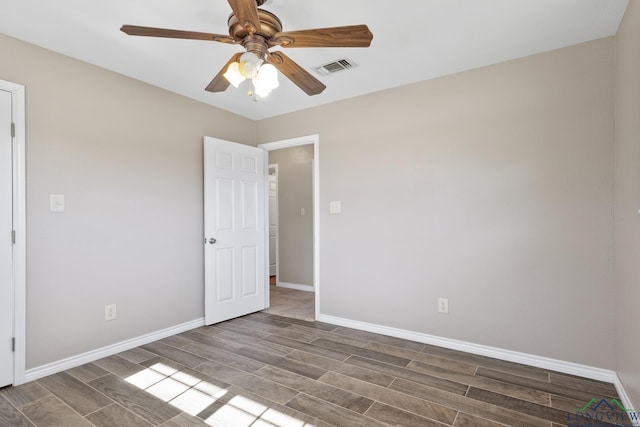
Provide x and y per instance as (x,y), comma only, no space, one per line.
(335,66)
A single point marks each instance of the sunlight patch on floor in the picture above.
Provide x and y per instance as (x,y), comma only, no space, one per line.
(193,396)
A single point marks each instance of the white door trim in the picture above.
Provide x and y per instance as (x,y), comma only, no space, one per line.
(295,142)
(275,166)
(19,225)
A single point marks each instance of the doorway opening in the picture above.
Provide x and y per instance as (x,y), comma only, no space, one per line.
(293,227)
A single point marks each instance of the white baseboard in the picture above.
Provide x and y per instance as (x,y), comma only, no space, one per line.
(624,397)
(90,356)
(483,350)
(306,288)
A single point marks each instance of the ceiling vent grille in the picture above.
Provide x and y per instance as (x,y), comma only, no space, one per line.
(335,66)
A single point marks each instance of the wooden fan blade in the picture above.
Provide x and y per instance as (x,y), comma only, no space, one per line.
(219,83)
(247,13)
(298,75)
(351,36)
(134,30)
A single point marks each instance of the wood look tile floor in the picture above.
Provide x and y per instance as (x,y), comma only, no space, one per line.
(291,302)
(267,370)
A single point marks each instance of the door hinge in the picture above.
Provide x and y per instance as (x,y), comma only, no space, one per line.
(13,344)
(13,130)
(13,236)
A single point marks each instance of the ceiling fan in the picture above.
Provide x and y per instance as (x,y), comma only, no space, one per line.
(258,30)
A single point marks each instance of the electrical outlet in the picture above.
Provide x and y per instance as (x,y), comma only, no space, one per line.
(443,305)
(110,312)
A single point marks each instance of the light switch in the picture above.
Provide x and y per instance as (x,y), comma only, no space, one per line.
(302,212)
(56,202)
(335,207)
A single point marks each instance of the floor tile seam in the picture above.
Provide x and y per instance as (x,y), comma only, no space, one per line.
(489,420)
(271,403)
(280,359)
(195,368)
(415,413)
(348,391)
(548,395)
(189,387)
(454,405)
(173,360)
(486,387)
(337,406)
(74,410)
(579,378)
(446,405)
(264,340)
(455,418)
(18,410)
(244,346)
(394,391)
(173,418)
(208,359)
(328,336)
(409,412)
(292,329)
(379,342)
(425,350)
(410,357)
(515,365)
(609,394)
(26,404)
(252,374)
(264,330)
(134,414)
(88,385)
(307,415)
(559,396)
(521,411)
(400,367)
(538,387)
(317,346)
(108,372)
(373,351)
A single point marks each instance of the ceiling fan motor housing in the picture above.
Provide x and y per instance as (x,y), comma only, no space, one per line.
(257,42)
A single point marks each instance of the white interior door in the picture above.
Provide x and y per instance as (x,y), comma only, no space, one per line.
(6,243)
(234,205)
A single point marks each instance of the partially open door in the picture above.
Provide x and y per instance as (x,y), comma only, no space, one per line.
(234,221)
(6,243)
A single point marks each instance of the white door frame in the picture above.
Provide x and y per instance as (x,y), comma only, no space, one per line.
(275,166)
(295,142)
(19,226)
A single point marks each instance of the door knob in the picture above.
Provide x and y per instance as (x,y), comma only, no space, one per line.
(212,241)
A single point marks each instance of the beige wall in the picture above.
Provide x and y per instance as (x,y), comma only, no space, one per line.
(627,202)
(295,191)
(128,158)
(492,187)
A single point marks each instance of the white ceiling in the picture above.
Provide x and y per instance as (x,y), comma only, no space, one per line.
(414,40)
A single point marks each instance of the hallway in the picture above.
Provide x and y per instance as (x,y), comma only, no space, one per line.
(291,303)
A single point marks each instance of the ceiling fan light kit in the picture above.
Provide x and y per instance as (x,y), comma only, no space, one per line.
(264,77)
(258,30)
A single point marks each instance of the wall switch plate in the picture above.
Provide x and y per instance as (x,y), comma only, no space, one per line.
(443,305)
(56,202)
(110,312)
(302,212)
(335,207)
